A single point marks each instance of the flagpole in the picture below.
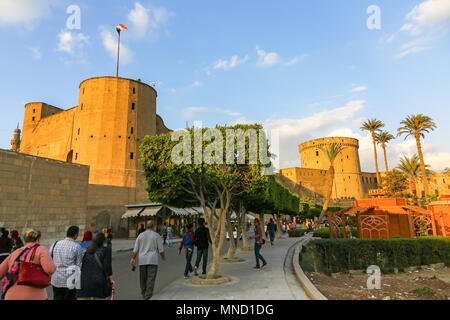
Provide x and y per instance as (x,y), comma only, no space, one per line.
(118,54)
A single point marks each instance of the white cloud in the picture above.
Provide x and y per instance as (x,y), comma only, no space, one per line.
(430,13)
(229,64)
(268,59)
(197,84)
(109,41)
(430,20)
(71,42)
(147,22)
(36,53)
(24,12)
(359,89)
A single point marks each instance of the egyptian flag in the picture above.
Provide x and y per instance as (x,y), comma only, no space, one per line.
(120,27)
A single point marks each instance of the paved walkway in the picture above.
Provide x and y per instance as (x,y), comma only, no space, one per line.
(270,283)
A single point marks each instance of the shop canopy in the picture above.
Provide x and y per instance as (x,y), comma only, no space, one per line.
(152,209)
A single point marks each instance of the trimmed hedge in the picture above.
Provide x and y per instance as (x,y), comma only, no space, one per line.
(296,233)
(324,233)
(340,255)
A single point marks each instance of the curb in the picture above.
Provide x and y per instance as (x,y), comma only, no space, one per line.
(311,291)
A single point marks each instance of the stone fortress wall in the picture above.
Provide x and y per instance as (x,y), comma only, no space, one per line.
(103,132)
(41,193)
(349,181)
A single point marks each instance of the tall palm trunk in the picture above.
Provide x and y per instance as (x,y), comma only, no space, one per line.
(329,192)
(385,157)
(375,155)
(413,189)
(422,164)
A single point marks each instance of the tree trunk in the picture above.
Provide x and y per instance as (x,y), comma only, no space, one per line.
(243,223)
(376,159)
(422,165)
(232,247)
(328,198)
(277,220)
(414,190)
(385,157)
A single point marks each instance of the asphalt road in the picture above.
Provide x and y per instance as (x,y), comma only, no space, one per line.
(128,282)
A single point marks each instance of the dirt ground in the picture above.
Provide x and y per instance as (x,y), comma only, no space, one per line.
(422,284)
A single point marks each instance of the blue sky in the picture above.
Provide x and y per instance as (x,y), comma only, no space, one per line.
(305,68)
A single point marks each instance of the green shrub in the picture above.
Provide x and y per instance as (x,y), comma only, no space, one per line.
(296,233)
(340,255)
(424,292)
(324,233)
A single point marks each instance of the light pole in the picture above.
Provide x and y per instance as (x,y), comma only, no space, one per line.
(119,28)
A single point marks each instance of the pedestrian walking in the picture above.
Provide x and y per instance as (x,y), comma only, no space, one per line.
(258,244)
(202,241)
(271,229)
(188,243)
(5,245)
(9,269)
(97,282)
(170,235)
(164,233)
(147,248)
(141,229)
(16,241)
(87,240)
(67,256)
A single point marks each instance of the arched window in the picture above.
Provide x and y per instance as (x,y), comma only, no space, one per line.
(69,156)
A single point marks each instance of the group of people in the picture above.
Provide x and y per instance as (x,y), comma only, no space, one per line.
(149,245)
(78,271)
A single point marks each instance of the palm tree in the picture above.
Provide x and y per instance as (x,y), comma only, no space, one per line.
(373,126)
(417,126)
(382,138)
(332,150)
(410,167)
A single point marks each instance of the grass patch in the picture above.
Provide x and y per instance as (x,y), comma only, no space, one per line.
(424,292)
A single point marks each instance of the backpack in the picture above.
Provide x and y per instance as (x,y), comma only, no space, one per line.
(187,240)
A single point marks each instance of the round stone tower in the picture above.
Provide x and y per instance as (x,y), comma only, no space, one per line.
(347,180)
(113,116)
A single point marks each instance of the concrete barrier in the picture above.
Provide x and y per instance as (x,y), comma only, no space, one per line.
(312,292)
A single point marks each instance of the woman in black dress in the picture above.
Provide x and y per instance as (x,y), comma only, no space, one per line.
(96,271)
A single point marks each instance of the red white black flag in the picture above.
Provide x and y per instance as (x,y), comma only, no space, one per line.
(120,27)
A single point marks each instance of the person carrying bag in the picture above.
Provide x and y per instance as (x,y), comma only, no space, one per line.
(24,279)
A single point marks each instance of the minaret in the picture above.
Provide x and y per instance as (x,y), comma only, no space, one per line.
(15,142)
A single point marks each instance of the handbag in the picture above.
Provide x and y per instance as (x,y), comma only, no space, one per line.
(32,274)
(109,288)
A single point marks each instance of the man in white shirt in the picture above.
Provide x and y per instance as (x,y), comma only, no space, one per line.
(147,248)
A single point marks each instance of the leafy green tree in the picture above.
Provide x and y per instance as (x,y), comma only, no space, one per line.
(411,168)
(383,138)
(417,126)
(396,182)
(374,126)
(209,184)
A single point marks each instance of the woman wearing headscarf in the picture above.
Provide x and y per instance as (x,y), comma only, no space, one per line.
(96,271)
(9,269)
(16,241)
(87,240)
